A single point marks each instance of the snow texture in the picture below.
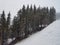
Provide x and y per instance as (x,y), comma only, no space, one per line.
(10,40)
(48,36)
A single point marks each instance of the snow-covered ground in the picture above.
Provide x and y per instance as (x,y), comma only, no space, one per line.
(10,40)
(57,16)
(48,36)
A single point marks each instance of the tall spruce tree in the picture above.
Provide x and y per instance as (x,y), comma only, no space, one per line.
(34,19)
(26,25)
(52,14)
(3,20)
(8,25)
(3,27)
(14,32)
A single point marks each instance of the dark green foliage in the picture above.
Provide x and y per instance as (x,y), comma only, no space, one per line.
(14,29)
(3,28)
(34,9)
(8,19)
(52,14)
(31,18)
(8,25)
(3,20)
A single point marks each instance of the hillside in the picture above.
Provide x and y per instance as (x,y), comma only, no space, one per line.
(57,15)
(48,36)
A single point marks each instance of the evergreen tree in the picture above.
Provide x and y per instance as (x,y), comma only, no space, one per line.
(31,8)
(3,20)
(52,14)
(34,13)
(34,9)
(27,21)
(14,27)
(3,27)
(38,9)
(27,8)
(8,25)
(8,19)
(21,22)
(23,10)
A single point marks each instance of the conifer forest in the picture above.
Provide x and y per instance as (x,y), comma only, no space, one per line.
(27,21)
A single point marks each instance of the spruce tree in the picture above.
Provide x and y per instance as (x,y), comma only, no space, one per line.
(8,19)
(23,10)
(3,20)
(3,27)
(8,25)
(52,14)
(34,13)
(14,26)
(34,9)
(31,8)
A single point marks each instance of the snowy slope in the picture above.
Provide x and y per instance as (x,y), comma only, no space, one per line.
(48,36)
(57,16)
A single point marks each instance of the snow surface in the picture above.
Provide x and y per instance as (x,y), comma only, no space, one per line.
(10,40)
(48,36)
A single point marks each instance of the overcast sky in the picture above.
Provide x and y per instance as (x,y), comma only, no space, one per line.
(14,5)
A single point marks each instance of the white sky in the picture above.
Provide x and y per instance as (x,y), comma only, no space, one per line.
(14,5)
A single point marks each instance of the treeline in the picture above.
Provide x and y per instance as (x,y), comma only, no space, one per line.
(28,21)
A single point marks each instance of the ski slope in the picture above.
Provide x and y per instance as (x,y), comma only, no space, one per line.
(48,36)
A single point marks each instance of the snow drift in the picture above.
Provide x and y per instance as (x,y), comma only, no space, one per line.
(48,36)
